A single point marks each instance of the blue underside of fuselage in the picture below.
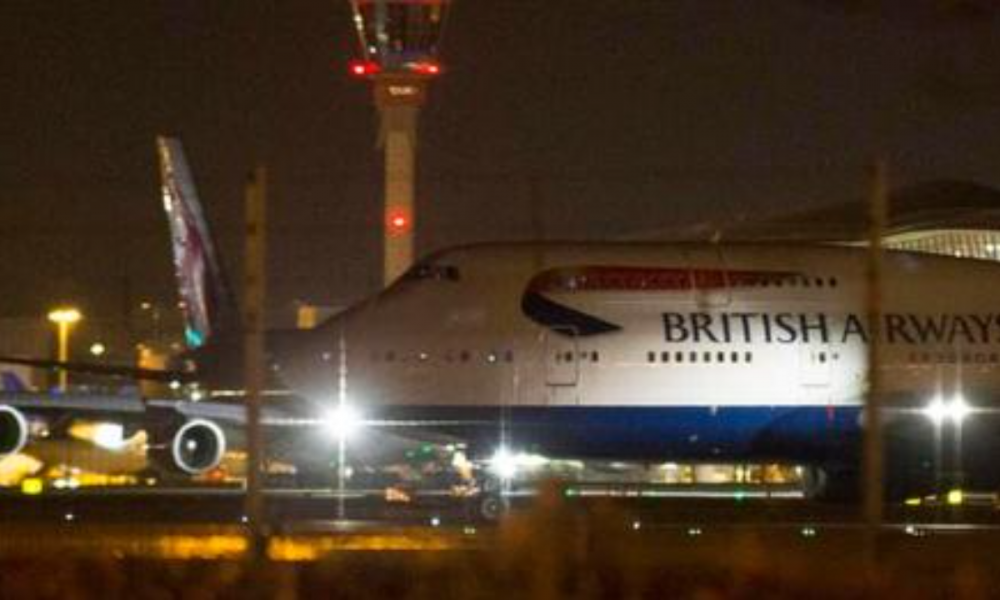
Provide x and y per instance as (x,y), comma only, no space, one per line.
(746,433)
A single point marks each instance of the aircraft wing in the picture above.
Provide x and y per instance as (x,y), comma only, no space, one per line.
(96,369)
(135,407)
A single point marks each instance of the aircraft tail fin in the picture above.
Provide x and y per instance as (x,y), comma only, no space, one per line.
(11,382)
(207,300)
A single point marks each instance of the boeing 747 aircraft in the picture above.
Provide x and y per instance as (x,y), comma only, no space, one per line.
(654,352)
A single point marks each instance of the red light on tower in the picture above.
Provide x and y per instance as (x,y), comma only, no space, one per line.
(364,68)
(398,222)
(428,68)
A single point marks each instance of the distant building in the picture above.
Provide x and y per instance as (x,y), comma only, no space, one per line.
(952,218)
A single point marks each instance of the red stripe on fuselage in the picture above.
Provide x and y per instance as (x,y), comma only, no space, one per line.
(639,279)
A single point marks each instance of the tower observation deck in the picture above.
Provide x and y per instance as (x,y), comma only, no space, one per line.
(399,55)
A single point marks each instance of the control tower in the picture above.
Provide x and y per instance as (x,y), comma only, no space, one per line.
(399,40)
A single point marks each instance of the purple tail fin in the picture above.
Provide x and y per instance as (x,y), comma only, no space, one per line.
(10,382)
(207,300)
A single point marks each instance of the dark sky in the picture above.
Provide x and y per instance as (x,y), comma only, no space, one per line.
(613,116)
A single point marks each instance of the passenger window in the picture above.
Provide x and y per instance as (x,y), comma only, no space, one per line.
(678,357)
(665,356)
(651,357)
(693,356)
(748,357)
(720,357)
(734,357)
(594,356)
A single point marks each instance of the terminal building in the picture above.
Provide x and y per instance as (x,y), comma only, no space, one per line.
(952,218)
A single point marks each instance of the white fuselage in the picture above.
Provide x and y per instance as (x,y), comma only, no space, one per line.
(779,325)
(740,349)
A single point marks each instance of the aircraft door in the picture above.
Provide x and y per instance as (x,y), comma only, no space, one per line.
(710,278)
(562,366)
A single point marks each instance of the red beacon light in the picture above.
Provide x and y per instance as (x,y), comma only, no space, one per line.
(426,68)
(364,68)
(398,222)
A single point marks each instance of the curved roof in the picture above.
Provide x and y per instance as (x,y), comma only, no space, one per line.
(933,205)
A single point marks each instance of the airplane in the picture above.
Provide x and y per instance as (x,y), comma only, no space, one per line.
(736,352)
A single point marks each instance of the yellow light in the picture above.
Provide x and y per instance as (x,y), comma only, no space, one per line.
(32,486)
(914,501)
(65,315)
(98,349)
(955,497)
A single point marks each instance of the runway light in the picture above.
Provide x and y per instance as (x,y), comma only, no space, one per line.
(342,422)
(955,497)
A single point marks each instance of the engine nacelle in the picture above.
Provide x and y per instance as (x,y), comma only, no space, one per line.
(13,430)
(195,447)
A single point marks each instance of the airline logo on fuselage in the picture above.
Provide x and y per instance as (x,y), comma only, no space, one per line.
(562,319)
(792,328)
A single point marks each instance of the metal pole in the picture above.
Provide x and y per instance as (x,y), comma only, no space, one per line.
(62,329)
(874,495)
(253,306)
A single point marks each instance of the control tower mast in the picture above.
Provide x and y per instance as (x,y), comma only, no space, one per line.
(399,40)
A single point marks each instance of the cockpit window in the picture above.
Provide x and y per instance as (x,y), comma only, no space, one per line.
(433,272)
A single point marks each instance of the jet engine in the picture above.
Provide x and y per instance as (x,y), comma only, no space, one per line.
(196,446)
(13,430)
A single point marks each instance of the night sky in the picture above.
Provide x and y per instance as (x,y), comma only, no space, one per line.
(611,117)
